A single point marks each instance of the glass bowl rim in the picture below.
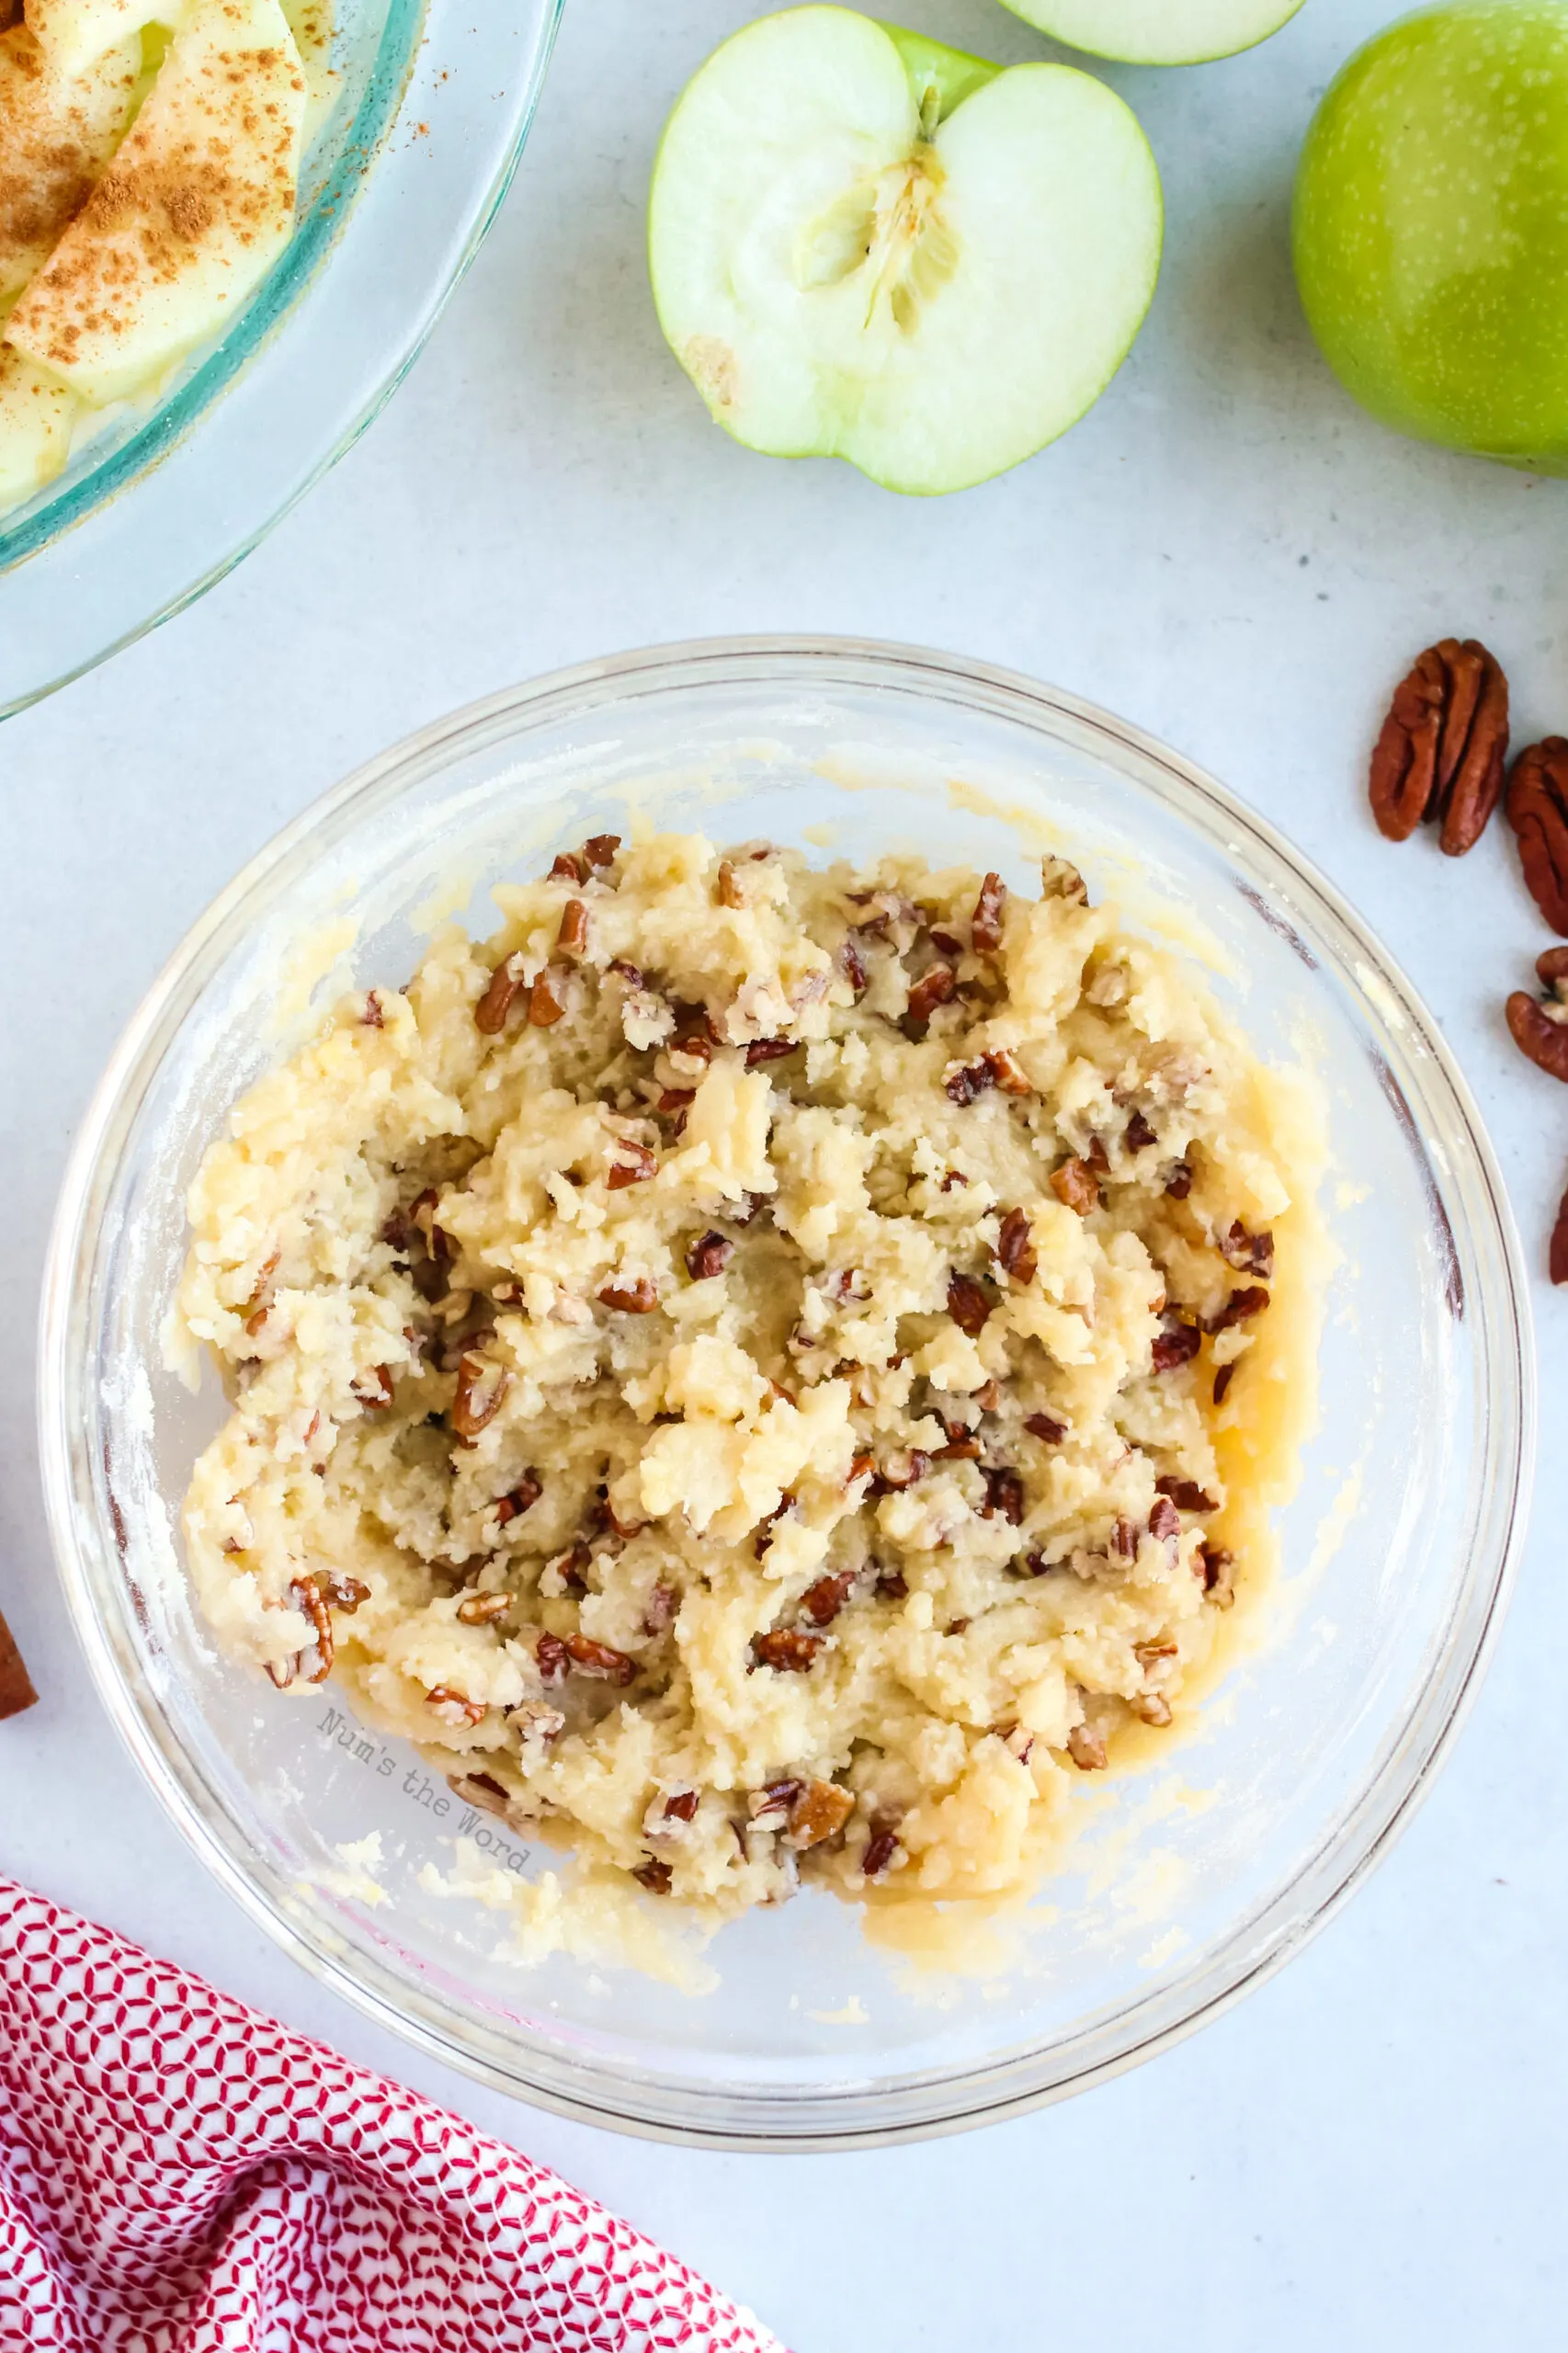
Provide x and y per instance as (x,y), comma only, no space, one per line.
(1353,1842)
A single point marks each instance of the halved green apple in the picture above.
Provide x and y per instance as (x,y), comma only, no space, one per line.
(1157,32)
(196,207)
(866,245)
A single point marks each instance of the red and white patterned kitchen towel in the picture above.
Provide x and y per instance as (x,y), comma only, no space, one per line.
(179,2174)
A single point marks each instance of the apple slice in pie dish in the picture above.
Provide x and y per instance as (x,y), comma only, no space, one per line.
(154,150)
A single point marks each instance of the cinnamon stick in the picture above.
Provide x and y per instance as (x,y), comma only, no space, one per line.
(16,1689)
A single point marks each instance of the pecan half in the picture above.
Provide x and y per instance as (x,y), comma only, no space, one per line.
(481,1790)
(546,1007)
(769,1808)
(966,1304)
(1164,1520)
(521,1499)
(454,1706)
(506,983)
(934,987)
(823,1601)
(880,1849)
(597,1659)
(1538,812)
(904,1467)
(639,1298)
(1086,1749)
(476,1406)
(599,849)
(1186,1493)
(1249,1253)
(571,939)
(1015,1247)
(707,1256)
(1440,754)
(770,1050)
(1074,1184)
(659,1611)
(305,1594)
(1557,1263)
(1004,1494)
(682,1806)
(1216,1566)
(968,1081)
(567,1570)
(1008,1071)
(985,926)
(566,868)
(341,1592)
(1175,1345)
(484,1609)
(1539,1025)
(1252,1300)
(633,1164)
(821,1809)
(1045,1426)
(15,1686)
(787,1652)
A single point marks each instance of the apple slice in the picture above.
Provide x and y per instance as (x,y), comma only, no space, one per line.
(311,22)
(195,208)
(57,134)
(1157,32)
(36,412)
(76,33)
(866,245)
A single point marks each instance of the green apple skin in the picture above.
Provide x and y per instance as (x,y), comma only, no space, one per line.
(1157,32)
(1430,229)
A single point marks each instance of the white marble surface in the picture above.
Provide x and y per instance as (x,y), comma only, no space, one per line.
(1373,2147)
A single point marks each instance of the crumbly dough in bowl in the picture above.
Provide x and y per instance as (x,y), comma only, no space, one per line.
(761,1372)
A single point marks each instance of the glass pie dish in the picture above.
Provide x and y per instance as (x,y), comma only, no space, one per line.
(396,196)
(1188,1881)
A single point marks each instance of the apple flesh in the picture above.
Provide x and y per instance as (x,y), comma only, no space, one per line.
(76,33)
(864,245)
(57,134)
(36,414)
(1430,230)
(1157,32)
(194,212)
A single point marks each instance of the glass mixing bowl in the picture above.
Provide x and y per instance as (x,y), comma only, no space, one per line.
(1189,1880)
(395,197)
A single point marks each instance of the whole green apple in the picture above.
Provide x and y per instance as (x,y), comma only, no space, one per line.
(1431,229)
